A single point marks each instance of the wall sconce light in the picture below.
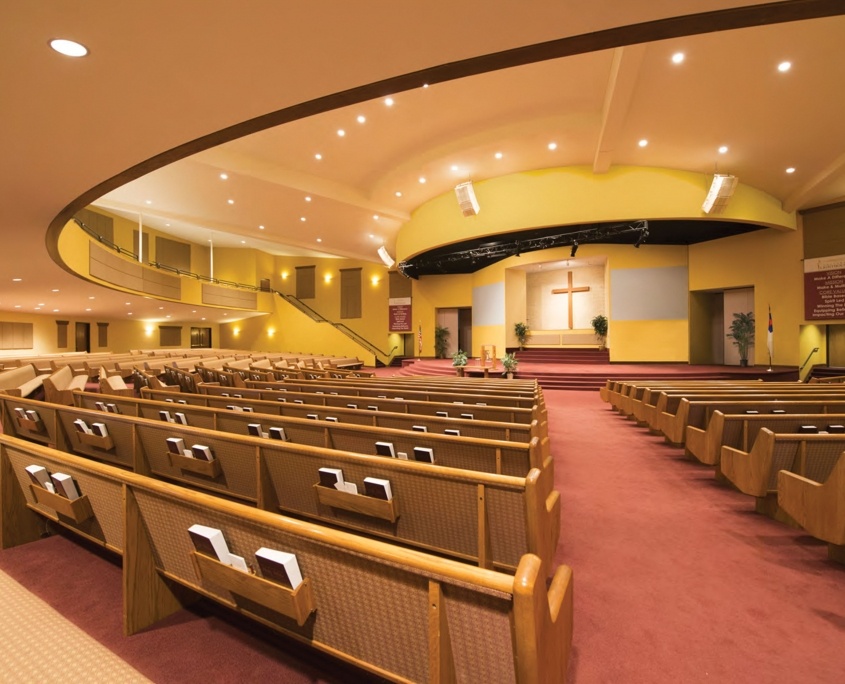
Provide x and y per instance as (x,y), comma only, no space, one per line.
(374,280)
(327,277)
(285,275)
(149,330)
(236,332)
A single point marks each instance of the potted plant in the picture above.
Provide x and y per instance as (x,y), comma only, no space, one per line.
(521,331)
(599,324)
(459,360)
(509,363)
(742,334)
(441,341)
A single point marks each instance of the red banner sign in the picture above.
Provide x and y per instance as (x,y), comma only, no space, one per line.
(400,314)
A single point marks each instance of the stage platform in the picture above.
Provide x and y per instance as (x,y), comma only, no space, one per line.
(573,375)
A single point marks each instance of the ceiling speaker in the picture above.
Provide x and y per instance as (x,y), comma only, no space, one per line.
(721,190)
(466,199)
(385,257)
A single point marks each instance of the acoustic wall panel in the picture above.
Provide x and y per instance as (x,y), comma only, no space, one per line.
(649,294)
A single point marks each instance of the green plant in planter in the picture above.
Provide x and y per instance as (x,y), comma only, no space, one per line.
(522,333)
(509,363)
(459,358)
(599,324)
(742,333)
(441,341)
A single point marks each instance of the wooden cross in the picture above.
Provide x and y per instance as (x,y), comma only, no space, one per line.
(569,291)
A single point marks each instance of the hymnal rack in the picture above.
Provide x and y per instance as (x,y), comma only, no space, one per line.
(78,510)
(357,503)
(198,466)
(297,603)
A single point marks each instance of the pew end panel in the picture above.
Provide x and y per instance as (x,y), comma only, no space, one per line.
(102,525)
(818,507)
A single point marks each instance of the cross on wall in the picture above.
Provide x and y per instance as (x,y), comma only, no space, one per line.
(570,290)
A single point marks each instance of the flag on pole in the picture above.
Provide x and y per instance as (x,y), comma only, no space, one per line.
(419,339)
(770,336)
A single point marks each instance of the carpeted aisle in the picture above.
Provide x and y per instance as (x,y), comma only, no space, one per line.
(676,578)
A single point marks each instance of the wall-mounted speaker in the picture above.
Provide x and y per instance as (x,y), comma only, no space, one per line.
(721,190)
(385,257)
(466,199)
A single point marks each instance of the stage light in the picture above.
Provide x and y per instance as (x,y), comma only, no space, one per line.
(574,249)
(641,239)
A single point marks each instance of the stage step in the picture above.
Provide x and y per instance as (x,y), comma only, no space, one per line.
(564,355)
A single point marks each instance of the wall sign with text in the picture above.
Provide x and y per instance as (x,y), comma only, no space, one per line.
(824,288)
(399,314)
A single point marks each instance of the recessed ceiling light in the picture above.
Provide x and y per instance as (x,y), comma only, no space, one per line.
(454,167)
(55,311)
(92,297)
(643,143)
(723,149)
(422,179)
(160,308)
(552,146)
(398,194)
(498,155)
(69,48)
(16,280)
(168,316)
(194,311)
(203,318)
(319,239)
(341,132)
(307,198)
(372,236)
(167,225)
(375,216)
(17,306)
(243,242)
(362,118)
(260,227)
(127,304)
(302,218)
(318,156)
(37,308)
(224,176)
(791,169)
(88,309)
(54,290)
(148,201)
(231,201)
(40,303)
(783,67)
(678,57)
(388,101)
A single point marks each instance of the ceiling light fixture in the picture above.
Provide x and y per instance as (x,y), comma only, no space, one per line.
(723,149)
(388,101)
(643,142)
(783,67)
(678,57)
(224,176)
(362,119)
(553,146)
(69,48)
(341,132)
(791,169)
(318,156)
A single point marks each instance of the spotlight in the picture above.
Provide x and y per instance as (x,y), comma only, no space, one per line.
(641,239)
(721,190)
(574,249)
(466,199)
(385,257)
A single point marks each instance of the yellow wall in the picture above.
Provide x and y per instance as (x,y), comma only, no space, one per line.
(431,293)
(574,195)
(770,262)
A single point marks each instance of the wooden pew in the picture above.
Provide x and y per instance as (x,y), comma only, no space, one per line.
(427,408)
(817,506)
(518,629)
(739,430)
(476,516)
(59,385)
(665,418)
(697,414)
(755,472)
(402,393)
(201,415)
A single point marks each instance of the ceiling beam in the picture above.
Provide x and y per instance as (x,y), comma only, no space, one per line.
(621,83)
(797,198)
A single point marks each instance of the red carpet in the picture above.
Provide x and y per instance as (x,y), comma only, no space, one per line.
(677,580)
